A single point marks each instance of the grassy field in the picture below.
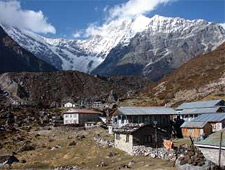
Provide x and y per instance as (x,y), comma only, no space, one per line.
(85,154)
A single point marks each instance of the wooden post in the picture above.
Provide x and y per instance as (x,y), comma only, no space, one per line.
(221,138)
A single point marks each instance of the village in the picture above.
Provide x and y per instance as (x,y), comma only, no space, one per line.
(186,135)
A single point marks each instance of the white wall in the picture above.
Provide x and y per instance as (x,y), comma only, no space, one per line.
(122,144)
(69,105)
(70,119)
(119,122)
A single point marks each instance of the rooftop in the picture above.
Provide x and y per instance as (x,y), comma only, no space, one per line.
(82,111)
(213,140)
(193,124)
(200,110)
(145,111)
(216,117)
(200,104)
(129,128)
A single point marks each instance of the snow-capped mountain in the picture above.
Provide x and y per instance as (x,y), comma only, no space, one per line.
(135,43)
(81,55)
(165,45)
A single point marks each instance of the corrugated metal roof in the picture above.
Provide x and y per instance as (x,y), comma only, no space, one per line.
(199,104)
(200,110)
(213,139)
(82,111)
(216,117)
(193,124)
(146,111)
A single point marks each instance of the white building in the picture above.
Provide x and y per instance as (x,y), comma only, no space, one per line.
(97,105)
(80,116)
(69,104)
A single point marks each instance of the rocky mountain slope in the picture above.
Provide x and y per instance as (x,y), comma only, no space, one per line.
(51,87)
(142,46)
(81,55)
(201,78)
(165,45)
(16,59)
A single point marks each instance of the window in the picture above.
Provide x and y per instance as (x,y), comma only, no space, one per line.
(123,118)
(115,120)
(148,139)
(117,136)
(127,138)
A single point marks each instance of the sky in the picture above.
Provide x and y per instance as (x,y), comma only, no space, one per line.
(81,18)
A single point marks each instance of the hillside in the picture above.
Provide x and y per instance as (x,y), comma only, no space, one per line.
(16,59)
(51,87)
(201,78)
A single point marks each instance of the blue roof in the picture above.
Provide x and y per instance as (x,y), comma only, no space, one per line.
(216,117)
(146,111)
(199,104)
(193,124)
(200,110)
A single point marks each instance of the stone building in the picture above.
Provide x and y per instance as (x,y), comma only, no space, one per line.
(132,135)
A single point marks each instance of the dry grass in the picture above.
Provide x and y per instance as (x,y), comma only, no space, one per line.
(85,154)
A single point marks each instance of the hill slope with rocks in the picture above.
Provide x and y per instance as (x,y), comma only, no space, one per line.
(201,78)
(46,88)
(16,59)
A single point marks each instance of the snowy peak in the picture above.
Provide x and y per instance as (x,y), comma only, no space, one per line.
(86,55)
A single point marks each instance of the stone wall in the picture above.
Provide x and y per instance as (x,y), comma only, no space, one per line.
(160,153)
(122,143)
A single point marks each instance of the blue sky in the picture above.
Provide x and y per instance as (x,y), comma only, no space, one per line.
(69,16)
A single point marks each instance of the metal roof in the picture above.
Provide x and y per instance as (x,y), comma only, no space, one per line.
(200,110)
(146,111)
(193,124)
(199,104)
(216,117)
(82,111)
(213,139)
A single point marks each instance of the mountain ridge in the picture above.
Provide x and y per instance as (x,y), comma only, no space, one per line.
(16,59)
(201,78)
(142,46)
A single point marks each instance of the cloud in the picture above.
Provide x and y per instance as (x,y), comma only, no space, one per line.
(12,14)
(128,10)
(78,34)
(133,8)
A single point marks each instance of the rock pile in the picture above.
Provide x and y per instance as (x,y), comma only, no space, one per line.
(103,142)
(192,156)
(68,168)
(161,153)
(7,160)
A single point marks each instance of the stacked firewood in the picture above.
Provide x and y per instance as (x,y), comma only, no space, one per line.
(192,156)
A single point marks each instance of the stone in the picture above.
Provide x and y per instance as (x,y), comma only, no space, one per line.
(73,143)
(131,163)
(10,159)
(26,147)
(23,161)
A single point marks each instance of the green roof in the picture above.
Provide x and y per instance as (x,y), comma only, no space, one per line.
(213,140)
